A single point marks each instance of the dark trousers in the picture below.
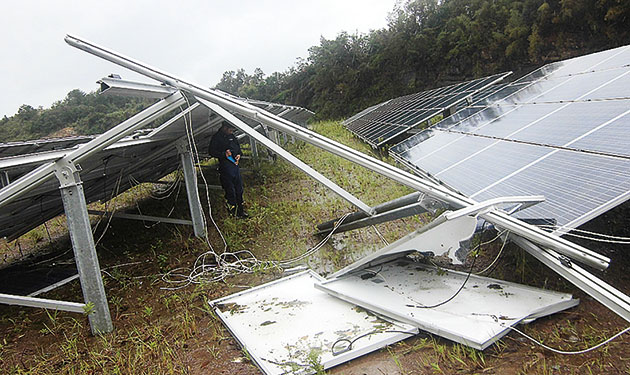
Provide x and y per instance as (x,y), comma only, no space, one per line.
(232,184)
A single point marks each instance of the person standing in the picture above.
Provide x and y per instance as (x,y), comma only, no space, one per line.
(225,147)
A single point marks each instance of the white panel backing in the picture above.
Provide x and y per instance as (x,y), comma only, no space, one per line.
(477,317)
(287,323)
(440,237)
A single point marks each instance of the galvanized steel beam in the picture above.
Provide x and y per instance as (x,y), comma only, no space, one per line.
(378,209)
(286,155)
(120,87)
(397,213)
(80,230)
(156,219)
(9,299)
(194,203)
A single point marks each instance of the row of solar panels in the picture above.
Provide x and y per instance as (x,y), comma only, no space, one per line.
(147,155)
(562,131)
(386,122)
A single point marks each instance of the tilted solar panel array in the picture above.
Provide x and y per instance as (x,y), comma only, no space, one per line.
(562,131)
(147,155)
(384,122)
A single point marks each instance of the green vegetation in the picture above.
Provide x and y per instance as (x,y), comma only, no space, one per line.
(428,43)
(77,114)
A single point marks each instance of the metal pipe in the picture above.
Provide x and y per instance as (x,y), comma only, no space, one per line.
(286,155)
(378,209)
(397,213)
(42,303)
(436,191)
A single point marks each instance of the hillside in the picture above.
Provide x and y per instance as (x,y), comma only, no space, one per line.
(77,114)
(429,43)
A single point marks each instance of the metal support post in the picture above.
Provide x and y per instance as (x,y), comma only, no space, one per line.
(83,245)
(4,179)
(254,147)
(190,178)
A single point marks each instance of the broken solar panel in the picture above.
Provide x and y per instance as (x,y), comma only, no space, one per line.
(384,122)
(563,131)
(287,325)
(479,315)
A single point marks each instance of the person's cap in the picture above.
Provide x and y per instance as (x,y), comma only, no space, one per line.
(227,125)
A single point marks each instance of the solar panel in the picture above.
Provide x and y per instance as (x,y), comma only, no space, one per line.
(104,175)
(147,155)
(382,123)
(562,131)
(298,115)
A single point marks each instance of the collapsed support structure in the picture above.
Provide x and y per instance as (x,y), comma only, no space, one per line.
(66,167)
(551,246)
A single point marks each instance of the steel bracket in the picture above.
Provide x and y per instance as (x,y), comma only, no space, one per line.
(67,173)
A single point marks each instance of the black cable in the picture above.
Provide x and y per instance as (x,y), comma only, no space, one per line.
(352,341)
(454,295)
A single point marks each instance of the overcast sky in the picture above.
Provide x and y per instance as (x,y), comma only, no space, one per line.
(196,40)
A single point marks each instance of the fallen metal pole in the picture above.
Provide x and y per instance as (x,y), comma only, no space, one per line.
(397,213)
(378,209)
(285,155)
(433,190)
(9,299)
(156,219)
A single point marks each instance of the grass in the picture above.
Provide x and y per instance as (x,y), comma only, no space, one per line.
(161,331)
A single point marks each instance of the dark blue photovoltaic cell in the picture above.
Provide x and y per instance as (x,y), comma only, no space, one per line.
(379,124)
(562,131)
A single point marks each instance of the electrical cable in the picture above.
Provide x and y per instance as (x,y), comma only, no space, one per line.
(380,235)
(568,352)
(454,295)
(355,339)
(212,267)
(474,251)
(498,255)
(224,266)
(594,236)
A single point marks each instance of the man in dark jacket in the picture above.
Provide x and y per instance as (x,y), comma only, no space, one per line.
(225,147)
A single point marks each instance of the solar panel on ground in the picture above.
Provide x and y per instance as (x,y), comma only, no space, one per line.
(384,122)
(562,131)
